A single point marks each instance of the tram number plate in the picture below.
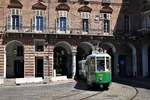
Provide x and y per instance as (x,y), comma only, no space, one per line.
(100,75)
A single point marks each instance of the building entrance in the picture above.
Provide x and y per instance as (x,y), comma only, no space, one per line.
(14,59)
(39,66)
(63,59)
(19,71)
(122,65)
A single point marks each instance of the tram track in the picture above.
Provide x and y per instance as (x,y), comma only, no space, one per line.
(76,95)
(90,96)
(133,97)
(65,96)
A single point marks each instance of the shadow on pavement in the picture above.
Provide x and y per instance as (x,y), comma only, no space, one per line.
(81,85)
(134,82)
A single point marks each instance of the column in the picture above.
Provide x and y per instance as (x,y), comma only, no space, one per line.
(73,63)
(134,63)
(116,66)
(145,61)
(4,61)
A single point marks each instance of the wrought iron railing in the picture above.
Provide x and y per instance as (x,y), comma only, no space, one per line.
(144,29)
(53,30)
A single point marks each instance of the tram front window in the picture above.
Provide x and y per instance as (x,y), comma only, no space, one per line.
(100,65)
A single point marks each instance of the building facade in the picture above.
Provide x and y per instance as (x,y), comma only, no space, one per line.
(46,38)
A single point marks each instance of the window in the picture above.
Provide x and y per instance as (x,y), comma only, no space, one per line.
(125,4)
(39,45)
(85,22)
(126,23)
(85,25)
(38,21)
(14,20)
(19,51)
(100,64)
(125,1)
(62,24)
(106,23)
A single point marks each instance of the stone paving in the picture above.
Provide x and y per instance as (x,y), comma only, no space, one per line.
(67,90)
(72,90)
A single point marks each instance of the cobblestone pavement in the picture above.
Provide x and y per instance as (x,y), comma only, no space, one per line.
(72,91)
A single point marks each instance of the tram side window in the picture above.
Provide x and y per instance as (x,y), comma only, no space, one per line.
(92,64)
(108,63)
(100,65)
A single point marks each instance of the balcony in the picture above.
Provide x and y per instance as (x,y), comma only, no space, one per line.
(144,30)
(106,1)
(54,30)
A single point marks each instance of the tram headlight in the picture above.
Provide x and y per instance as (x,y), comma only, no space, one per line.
(100,78)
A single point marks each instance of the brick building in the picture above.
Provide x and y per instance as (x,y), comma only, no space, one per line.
(44,35)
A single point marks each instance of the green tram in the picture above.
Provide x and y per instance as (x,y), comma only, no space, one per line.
(96,69)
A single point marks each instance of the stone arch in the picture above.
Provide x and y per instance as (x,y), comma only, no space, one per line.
(86,48)
(65,45)
(63,59)
(14,59)
(111,45)
(127,60)
(83,50)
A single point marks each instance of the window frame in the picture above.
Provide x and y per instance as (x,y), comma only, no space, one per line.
(37,20)
(39,42)
(14,20)
(106,23)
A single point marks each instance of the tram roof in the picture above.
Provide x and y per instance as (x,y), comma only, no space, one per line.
(99,54)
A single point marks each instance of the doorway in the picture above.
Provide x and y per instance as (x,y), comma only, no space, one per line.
(39,67)
(14,59)
(122,65)
(18,69)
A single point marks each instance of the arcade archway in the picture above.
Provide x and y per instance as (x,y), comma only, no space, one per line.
(63,59)
(83,50)
(14,59)
(127,60)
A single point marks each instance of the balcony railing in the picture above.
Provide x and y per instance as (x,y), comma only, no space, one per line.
(144,30)
(106,1)
(54,30)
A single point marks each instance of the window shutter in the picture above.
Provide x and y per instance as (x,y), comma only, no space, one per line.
(57,23)
(8,19)
(33,23)
(44,23)
(20,22)
(68,25)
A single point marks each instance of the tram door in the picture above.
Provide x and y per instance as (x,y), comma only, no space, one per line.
(122,65)
(39,67)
